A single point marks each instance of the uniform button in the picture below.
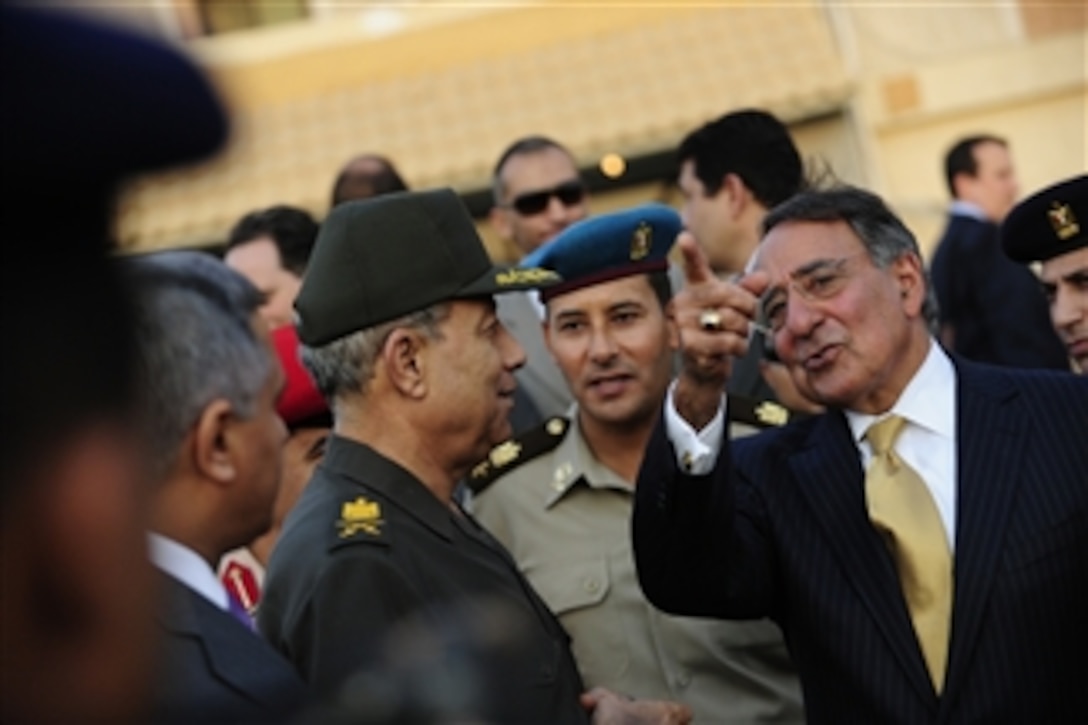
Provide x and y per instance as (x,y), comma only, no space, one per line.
(686,461)
(683,678)
(592,585)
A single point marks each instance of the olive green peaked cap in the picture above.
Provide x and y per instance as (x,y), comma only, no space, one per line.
(378,259)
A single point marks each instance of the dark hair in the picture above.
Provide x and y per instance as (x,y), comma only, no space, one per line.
(880,231)
(291,229)
(357,181)
(752,144)
(523,146)
(960,159)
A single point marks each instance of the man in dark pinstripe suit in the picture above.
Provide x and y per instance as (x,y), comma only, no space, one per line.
(778,525)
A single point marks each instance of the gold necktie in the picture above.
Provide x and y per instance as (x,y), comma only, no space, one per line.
(902,508)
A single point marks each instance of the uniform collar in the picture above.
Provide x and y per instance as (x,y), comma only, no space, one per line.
(575,463)
(365,466)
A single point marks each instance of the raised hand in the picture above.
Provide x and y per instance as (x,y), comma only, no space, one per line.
(713,318)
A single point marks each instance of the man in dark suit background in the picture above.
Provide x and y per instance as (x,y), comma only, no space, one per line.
(975,616)
(991,309)
(208,385)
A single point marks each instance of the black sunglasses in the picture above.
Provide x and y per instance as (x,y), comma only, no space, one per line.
(568,193)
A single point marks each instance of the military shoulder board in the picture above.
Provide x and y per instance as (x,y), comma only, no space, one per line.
(508,455)
(760,413)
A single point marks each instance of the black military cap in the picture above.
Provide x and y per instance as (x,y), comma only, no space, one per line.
(378,259)
(1048,224)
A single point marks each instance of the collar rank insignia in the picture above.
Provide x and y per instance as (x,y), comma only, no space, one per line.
(641,239)
(1062,219)
(772,413)
(360,515)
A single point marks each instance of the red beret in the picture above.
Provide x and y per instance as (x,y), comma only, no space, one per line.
(300,399)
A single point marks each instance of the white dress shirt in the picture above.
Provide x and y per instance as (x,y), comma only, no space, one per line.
(927,443)
(188,567)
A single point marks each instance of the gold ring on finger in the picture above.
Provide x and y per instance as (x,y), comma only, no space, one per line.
(710,320)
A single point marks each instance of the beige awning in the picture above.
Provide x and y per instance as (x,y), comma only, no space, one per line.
(634,88)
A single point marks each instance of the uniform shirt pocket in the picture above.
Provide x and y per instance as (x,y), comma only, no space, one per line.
(578,592)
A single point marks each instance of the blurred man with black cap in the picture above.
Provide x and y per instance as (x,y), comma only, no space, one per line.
(560,497)
(398,327)
(82,106)
(1051,227)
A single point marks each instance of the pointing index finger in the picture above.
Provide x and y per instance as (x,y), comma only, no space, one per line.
(696,266)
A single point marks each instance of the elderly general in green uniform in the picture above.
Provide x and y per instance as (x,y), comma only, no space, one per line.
(380,588)
(560,497)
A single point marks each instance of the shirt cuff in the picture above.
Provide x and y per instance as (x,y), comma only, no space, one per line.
(696,452)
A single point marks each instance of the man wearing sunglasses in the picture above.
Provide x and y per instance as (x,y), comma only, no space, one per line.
(538,192)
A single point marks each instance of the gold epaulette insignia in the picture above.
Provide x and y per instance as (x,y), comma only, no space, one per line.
(772,413)
(504,453)
(508,455)
(361,514)
(760,413)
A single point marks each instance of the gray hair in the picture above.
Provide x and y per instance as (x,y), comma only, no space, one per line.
(345,366)
(884,236)
(195,343)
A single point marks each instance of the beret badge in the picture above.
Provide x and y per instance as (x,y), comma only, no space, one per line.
(641,241)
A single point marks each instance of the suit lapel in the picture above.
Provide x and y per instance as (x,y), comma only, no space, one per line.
(990,440)
(235,656)
(828,472)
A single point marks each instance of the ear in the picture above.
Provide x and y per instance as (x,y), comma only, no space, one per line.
(737,194)
(213,444)
(910,274)
(405,363)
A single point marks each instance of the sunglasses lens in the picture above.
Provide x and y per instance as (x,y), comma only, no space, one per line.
(568,194)
(530,204)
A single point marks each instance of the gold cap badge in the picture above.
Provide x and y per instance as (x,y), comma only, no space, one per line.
(641,239)
(1062,219)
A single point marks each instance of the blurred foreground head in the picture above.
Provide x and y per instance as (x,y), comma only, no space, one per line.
(81,107)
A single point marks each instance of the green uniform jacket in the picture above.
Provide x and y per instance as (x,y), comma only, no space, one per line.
(374,577)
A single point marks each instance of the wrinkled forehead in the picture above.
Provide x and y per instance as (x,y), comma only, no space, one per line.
(791,247)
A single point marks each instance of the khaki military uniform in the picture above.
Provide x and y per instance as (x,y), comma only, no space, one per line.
(566,520)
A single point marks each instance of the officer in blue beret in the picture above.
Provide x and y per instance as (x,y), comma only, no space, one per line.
(1051,227)
(560,496)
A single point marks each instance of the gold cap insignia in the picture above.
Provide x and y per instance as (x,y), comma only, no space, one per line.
(1062,219)
(504,453)
(529,275)
(771,413)
(641,240)
(360,515)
